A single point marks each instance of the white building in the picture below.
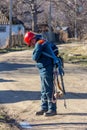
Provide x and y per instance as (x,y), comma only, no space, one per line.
(4,30)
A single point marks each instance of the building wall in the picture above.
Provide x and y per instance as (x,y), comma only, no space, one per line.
(4,33)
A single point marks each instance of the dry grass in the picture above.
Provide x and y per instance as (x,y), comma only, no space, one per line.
(74,53)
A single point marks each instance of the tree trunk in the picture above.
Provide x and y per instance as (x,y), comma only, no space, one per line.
(34,17)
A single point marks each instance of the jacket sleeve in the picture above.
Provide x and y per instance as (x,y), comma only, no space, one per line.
(55,49)
(37,52)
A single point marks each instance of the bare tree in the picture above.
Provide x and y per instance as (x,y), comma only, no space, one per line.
(25,10)
(72,13)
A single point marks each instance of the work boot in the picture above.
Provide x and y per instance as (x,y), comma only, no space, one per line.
(50,113)
(41,112)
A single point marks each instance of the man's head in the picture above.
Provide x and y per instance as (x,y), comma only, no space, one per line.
(30,38)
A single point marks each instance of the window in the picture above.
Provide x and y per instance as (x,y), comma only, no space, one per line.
(2,29)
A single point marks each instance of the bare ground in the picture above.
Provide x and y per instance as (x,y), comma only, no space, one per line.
(20,94)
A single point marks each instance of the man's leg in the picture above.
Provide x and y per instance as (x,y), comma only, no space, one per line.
(49,87)
(44,103)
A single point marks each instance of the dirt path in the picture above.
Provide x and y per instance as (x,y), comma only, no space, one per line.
(20,93)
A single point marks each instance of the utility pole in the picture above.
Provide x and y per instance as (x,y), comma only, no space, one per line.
(49,22)
(10,24)
(34,15)
(50,17)
(75,20)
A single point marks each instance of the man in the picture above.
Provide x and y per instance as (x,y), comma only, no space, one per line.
(45,65)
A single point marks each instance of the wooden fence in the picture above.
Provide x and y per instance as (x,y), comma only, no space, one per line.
(16,40)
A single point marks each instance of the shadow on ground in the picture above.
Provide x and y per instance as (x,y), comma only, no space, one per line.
(55,124)
(5,80)
(5,66)
(11,96)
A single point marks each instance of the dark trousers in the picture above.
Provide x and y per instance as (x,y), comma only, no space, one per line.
(48,101)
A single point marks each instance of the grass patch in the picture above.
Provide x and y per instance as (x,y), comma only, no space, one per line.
(16,48)
(70,53)
(76,55)
(6,122)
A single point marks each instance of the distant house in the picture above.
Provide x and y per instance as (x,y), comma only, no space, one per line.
(17,28)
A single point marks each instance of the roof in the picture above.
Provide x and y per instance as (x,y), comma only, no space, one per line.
(16,21)
(3,19)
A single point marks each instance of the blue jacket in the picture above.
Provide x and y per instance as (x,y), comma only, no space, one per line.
(42,60)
